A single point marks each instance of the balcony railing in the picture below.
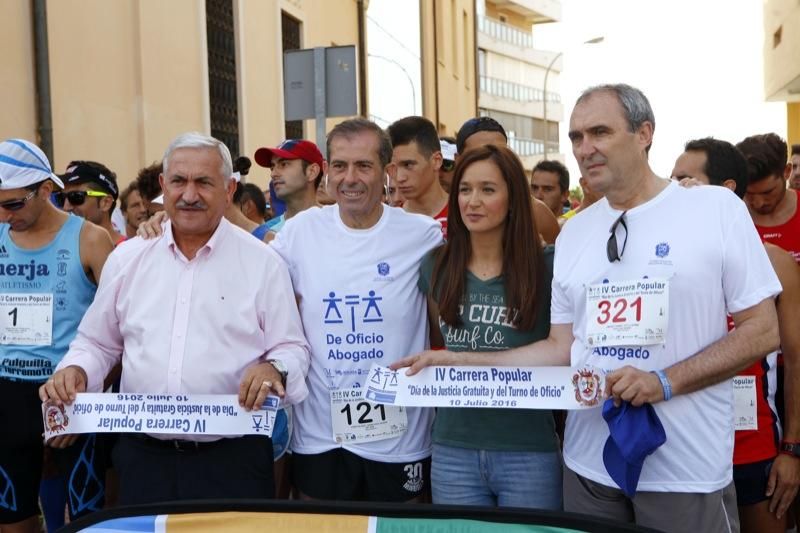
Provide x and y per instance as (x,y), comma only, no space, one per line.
(516,91)
(504,32)
(525,147)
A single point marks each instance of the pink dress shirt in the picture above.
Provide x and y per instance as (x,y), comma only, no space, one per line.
(192,327)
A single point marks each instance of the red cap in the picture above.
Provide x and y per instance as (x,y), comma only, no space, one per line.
(290,149)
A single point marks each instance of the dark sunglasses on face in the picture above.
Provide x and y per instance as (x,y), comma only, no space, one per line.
(612,248)
(76,197)
(16,205)
(447,165)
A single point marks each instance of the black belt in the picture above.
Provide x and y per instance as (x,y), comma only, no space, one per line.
(175,444)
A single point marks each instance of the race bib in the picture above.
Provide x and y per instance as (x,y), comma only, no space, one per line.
(356,420)
(627,313)
(744,403)
(26,319)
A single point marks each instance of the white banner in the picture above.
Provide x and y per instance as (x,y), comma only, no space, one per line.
(197,414)
(553,387)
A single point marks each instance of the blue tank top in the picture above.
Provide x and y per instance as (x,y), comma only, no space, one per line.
(26,276)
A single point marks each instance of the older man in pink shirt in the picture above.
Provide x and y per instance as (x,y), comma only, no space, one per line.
(205,310)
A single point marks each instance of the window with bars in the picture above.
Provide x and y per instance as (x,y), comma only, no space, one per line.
(222,82)
(290,34)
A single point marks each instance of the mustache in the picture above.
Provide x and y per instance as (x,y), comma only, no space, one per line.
(199,205)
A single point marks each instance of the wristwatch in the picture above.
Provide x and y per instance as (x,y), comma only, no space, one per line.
(790,448)
(280,366)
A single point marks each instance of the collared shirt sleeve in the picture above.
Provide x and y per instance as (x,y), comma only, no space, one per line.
(284,339)
(97,347)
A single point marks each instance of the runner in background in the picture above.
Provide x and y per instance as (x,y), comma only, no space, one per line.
(50,262)
(766,475)
(448,146)
(416,160)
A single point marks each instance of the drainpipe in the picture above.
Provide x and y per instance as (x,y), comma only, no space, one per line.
(44,119)
(362,60)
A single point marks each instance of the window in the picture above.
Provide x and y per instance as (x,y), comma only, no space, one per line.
(222,83)
(290,34)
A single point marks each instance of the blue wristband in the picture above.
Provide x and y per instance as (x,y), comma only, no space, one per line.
(665,384)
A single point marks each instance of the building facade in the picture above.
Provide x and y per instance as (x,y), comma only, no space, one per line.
(518,83)
(126,76)
(781,64)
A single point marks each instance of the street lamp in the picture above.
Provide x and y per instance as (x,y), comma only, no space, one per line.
(547,75)
(410,81)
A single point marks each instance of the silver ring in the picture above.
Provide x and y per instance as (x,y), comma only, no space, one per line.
(268,384)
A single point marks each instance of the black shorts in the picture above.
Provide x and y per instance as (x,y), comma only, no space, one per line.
(21,449)
(342,475)
(751,482)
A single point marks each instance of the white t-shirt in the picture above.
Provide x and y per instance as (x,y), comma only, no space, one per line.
(360,304)
(703,241)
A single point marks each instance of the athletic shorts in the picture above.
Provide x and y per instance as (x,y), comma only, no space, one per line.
(751,482)
(342,475)
(21,450)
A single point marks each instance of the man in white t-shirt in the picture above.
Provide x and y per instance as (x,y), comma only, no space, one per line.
(354,267)
(638,292)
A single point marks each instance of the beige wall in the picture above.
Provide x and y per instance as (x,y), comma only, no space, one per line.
(448,71)
(793,123)
(129,75)
(17,89)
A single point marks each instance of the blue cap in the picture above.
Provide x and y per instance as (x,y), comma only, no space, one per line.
(636,432)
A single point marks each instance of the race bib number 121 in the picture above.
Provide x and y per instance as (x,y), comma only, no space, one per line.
(355,419)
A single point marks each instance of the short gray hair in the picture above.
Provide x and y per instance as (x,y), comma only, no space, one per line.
(633,101)
(354,126)
(195,139)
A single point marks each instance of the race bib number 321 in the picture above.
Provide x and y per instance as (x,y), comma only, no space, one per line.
(627,313)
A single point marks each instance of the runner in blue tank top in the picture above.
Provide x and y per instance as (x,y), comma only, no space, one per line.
(50,263)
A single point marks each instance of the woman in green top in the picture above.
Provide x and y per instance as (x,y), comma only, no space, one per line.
(488,289)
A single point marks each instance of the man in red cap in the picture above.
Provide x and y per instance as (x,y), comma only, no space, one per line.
(297,168)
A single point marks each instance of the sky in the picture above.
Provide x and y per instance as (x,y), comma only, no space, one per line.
(700,63)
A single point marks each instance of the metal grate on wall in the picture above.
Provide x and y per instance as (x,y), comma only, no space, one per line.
(222,88)
(290,33)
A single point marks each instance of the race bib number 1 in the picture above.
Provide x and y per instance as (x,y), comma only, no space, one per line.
(627,313)
(356,420)
(26,319)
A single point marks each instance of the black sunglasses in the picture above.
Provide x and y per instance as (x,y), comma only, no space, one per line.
(612,248)
(448,165)
(16,205)
(75,197)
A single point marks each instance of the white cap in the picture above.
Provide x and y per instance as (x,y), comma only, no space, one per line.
(22,163)
(448,150)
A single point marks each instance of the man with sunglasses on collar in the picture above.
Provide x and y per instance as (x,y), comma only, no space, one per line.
(90,191)
(50,262)
(641,294)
